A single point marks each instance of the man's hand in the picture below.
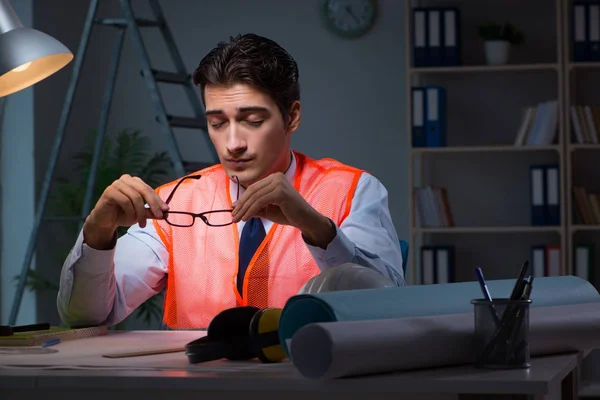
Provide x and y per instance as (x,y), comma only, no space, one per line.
(121,204)
(275,199)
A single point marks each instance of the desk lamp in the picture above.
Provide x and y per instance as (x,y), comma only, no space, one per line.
(26,56)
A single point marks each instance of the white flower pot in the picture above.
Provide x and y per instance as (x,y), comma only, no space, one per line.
(496,52)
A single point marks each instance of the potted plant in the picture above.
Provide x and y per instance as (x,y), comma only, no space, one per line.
(498,40)
(128,152)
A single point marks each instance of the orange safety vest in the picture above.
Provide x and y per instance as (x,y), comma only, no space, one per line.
(203,260)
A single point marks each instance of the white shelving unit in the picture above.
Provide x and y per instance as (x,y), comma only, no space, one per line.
(582,167)
(486,176)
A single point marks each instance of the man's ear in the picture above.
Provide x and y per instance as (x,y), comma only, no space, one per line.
(293,119)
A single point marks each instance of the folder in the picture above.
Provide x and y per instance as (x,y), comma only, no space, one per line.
(580,32)
(419,38)
(538,197)
(538,261)
(435,123)
(552,195)
(583,261)
(418,117)
(552,260)
(444,264)
(451,37)
(434,36)
(593,48)
(427,265)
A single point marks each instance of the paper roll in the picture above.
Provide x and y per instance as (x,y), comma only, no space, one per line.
(340,349)
(421,300)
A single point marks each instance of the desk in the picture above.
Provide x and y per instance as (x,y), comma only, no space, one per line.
(78,371)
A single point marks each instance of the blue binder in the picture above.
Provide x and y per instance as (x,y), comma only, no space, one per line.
(580,31)
(537,183)
(434,37)
(419,38)
(418,117)
(593,24)
(552,210)
(435,121)
(451,36)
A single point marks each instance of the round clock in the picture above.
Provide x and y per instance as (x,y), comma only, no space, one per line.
(350,18)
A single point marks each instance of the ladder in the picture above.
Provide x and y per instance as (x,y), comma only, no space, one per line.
(126,22)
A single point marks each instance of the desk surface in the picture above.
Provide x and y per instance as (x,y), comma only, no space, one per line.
(83,359)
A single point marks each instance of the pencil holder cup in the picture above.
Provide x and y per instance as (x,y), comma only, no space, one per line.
(501,336)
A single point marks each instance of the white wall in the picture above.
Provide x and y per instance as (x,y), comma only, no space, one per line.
(18,191)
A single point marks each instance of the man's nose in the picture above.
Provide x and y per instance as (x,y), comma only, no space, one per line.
(235,141)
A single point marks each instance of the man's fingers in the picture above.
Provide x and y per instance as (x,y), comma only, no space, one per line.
(150,196)
(136,200)
(252,207)
(240,210)
(117,197)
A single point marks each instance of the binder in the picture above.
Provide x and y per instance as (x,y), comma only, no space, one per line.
(538,261)
(418,117)
(419,38)
(552,260)
(435,123)
(537,183)
(444,264)
(434,36)
(580,31)
(583,262)
(552,195)
(593,48)
(451,37)
(427,265)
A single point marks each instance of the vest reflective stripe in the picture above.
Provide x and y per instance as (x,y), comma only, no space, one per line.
(203,260)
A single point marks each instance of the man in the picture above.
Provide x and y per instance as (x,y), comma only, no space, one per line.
(248,231)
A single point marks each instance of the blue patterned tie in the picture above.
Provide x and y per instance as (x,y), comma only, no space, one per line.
(252,236)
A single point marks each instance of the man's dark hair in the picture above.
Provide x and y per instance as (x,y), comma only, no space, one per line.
(253,60)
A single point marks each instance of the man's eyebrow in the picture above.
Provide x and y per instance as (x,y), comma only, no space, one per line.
(241,109)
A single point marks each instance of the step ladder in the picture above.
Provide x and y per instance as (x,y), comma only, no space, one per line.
(126,22)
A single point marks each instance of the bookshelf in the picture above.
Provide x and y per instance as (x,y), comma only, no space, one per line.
(485,175)
(582,148)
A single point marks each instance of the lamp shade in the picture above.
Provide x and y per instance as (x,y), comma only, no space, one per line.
(26,55)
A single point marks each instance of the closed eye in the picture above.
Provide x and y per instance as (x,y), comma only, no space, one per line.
(255,123)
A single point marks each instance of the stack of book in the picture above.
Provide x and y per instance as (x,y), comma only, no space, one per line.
(432,207)
(539,125)
(585,121)
(587,206)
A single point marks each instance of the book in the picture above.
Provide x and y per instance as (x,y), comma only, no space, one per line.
(36,338)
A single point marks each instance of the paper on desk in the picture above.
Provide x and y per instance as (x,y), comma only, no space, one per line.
(339,349)
(87,354)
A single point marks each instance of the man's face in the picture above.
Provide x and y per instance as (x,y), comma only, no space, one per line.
(248,132)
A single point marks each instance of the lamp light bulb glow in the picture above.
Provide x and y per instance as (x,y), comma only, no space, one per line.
(23,67)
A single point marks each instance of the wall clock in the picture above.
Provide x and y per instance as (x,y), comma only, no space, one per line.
(350,18)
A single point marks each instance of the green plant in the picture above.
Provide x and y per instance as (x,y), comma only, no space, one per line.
(507,32)
(127,153)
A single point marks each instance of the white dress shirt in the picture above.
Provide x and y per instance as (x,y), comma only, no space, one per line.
(105,286)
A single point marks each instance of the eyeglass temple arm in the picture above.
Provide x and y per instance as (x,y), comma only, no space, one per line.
(179,183)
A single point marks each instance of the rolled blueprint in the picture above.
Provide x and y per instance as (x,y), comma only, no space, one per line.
(340,349)
(421,300)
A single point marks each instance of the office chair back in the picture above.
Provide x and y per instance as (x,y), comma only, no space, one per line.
(404,250)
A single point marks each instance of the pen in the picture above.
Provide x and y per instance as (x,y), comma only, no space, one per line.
(517,290)
(486,294)
(51,343)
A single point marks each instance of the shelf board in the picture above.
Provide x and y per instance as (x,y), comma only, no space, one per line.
(485,68)
(477,149)
(583,65)
(490,229)
(576,228)
(578,146)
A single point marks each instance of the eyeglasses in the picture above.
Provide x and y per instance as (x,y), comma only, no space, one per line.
(211,218)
